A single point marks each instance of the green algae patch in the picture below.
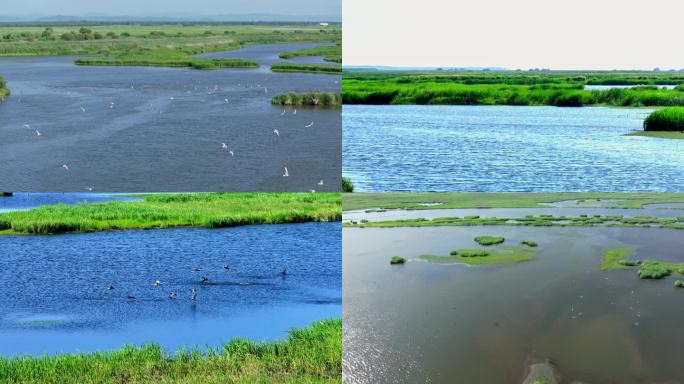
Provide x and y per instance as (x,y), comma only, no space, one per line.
(500,255)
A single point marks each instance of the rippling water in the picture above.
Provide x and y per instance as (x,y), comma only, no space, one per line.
(145,129)
(55,297)
(505,148)
(424,322)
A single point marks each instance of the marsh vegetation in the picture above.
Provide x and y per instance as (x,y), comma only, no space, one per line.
(563,89)
(667,119)
(209,210)
(332,53)
(307,68)
(311,354)
(314,99)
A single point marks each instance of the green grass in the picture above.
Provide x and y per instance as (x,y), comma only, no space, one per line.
(612,258)
(615,258)
(331,53)
(4,90)
(654,270)
(500,255)
(533,221)
(658,134)
(529,243)
(347,185)
(315,99)
(489,240)
(209,210)
(163,57)
(413,200)
(397,260)
(309,355)
(667,119)
(563,89)
(155,44)
(307,68)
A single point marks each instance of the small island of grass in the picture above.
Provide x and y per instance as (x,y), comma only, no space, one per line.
(489,240)
(209,210)
(314,99)
(309,355)
(529,243)
(501,255)
(160,57)
(653,270)
(397,260)
(616,258)
(307,68)
(666,123)
(330,53)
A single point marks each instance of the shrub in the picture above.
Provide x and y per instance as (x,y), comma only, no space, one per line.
(347,185)
(651,270)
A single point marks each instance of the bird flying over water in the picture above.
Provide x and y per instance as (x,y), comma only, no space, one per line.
(38,133)
(110,286)
(320,182)
(193,293)
(232,154)
(89,188)
(277,133)
(83,109)
(65,166)
(284,272)
(157,283)
(224,146)
(307,126)
(27,126)
(286,174)
(283,112)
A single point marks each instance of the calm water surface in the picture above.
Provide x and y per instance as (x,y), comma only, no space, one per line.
(505,148)
(425,322)
(55,297)
(123,129)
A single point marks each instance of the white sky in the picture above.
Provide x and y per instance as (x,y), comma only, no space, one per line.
(571,34)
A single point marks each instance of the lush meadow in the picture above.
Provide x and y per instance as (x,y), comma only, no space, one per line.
(308,355)
(210,210)
(564,89)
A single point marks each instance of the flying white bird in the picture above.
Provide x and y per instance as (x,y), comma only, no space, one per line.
(224,146)
(265,90)
(83,109)
(295,112)
(286,174)
(282,112)
(277,133)
(231,153)
(65,167)
(37,132)
(309,125)
(171,98)
(89,188)
(226,100)
(320,182)
(313,191)
(27,126)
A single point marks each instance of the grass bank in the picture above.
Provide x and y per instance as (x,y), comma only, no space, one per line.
(659,134)
(532,221)
(443,200)
(666,119)
(308,355)
(314,99)
(510,88)
(307,68)
(331,53)
(160,57)
(209,210)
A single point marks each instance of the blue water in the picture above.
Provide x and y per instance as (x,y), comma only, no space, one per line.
(55,298)
(506,148)
(23,200)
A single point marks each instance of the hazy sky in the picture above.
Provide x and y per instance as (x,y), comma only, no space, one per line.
(166,7)
(578,34)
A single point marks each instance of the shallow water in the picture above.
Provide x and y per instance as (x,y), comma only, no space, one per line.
(425,322)
(505,148)
(22,200)
(160,129)
(55,297)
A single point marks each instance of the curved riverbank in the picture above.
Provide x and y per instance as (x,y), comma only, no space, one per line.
(311,354)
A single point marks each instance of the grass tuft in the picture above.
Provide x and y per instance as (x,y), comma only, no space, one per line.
(488,240)
(667,119)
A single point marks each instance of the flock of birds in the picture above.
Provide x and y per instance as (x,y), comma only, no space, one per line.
(209,90)
(173,295)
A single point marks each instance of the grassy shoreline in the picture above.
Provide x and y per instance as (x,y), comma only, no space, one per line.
(563,89)
(157,60)
(208,210)
(314,99)
(308,355)
(307,68)
(447,200)
(331,53)
(4,91)
(658,134)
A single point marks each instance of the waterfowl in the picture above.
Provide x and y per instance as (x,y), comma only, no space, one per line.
(157,283)
(131,297)
(205,279)
(172,295)
(193,293)
(284,272)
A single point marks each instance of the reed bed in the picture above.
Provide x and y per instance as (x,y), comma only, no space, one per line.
(332,53)
(307,68)
(666,119)
(309,355)
(209,210)
(314,99)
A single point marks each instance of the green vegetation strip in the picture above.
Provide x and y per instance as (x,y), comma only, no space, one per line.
(397,260)
(500,255)
(332,53)
(4,91)
(489,240)
(417,200)
(309,355)
(616,258)
(307,68)
(534,221)
(658,134)
(564,89)
(314,99)
(210,210)
(160,57)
